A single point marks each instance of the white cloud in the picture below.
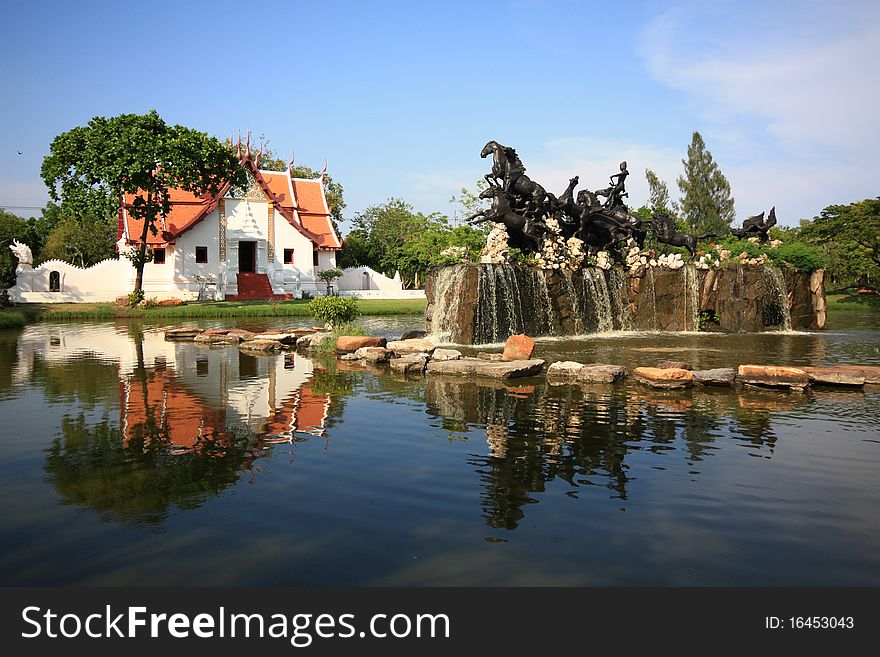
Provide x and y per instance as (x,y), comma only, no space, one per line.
(786,95)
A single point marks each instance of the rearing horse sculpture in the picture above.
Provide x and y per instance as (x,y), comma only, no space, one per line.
(508,171)
(522,231)
(665,232)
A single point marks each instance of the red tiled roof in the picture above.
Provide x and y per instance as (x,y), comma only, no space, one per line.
(186,211)
(314,213)
(307,212)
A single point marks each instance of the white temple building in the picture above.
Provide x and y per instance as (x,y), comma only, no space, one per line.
(268,240)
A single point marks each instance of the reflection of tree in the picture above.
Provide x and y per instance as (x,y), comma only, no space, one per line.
(137,480)
(86,379)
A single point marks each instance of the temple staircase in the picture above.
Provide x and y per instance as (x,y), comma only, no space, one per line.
(254,287)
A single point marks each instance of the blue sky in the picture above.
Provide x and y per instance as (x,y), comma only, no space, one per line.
(400,97)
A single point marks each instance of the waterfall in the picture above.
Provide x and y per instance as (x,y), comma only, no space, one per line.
(649,274)
(617,291)
(596,289)
(447,296)
(776,282)
(692,298)
(511,300)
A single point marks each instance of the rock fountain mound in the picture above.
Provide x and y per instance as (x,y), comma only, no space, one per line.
(487,303)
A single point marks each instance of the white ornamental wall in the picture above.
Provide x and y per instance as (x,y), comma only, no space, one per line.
(103,281)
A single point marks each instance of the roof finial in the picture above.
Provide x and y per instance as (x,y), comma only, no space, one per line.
(247,151)
(238,146)
(292,158)
(259,153)
(324,171)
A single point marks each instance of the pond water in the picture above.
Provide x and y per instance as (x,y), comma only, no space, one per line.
(131,460)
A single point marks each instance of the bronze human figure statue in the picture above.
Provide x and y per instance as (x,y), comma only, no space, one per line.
(756,226)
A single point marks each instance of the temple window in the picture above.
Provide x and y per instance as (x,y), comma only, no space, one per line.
(288,256)
(202,254)
(54,281)
(159,256)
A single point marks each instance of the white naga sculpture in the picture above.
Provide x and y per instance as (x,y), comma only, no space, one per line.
(24,255)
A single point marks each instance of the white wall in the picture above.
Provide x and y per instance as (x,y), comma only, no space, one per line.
(365,278)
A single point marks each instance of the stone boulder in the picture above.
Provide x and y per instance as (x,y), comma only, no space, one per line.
(409,364)
(774,376)
(311,341)
(674,364)
(484,355)
(719,376)
(373,354)
(446,354)
(170,303)
(836,376)
(183,333)
(411,335)
(413,346)
(478,367)
(351,343)
(262,345)
(518,347)
(668,378)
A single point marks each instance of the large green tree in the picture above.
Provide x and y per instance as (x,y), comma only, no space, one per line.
(14,227)
(706,203)
(660,203)
(394,237)
(90,166)
(849,235)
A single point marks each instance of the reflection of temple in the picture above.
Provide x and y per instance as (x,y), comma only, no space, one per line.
(193,392)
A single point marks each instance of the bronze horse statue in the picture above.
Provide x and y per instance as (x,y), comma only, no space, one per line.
(508,171)
(756,226)
(522,231)
(665,232)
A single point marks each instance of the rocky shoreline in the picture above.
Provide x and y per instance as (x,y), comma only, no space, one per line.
(420,355)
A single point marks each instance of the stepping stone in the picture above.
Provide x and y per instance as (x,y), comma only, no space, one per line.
(288,339)
(870,372)
(602,373)
(668,378)
(836,376)
(183,333)
(720,376)
(496,370)
(413,346)
(261,345)
(446,354)
(409,364)
(564,371)
(216,338)
(373,354)
(774,376)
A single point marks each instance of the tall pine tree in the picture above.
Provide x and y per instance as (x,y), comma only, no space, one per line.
(706,203)
(660,201)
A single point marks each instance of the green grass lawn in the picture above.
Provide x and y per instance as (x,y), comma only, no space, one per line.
(843,300)
(210,309)
(12,319)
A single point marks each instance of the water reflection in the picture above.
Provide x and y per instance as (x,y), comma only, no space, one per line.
(193,420)
(149,437)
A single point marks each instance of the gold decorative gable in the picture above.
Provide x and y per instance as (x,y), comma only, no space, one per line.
(252,191)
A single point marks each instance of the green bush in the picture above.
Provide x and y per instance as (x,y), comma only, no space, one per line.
(797,255)
(329,344)
(134,298)
(334,310)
